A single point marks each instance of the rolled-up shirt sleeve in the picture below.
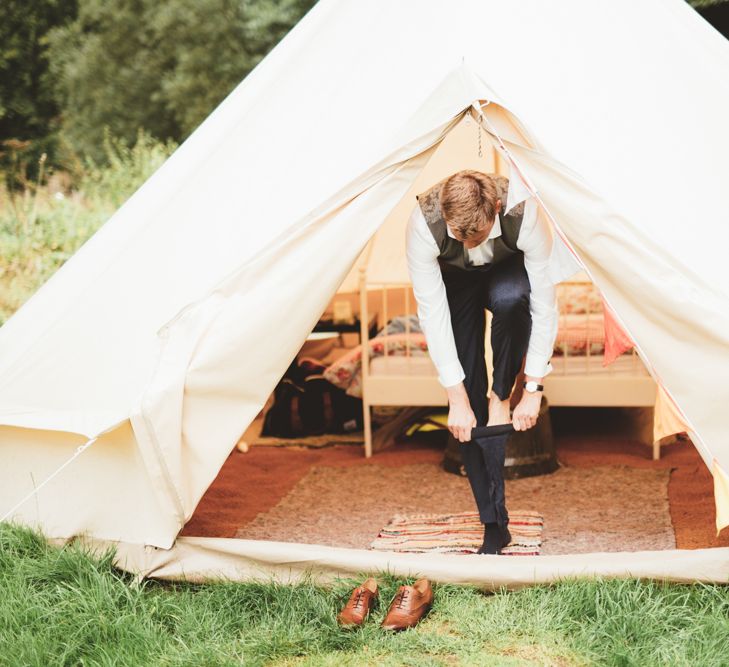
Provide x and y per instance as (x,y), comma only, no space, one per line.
(535,240)
(430,294)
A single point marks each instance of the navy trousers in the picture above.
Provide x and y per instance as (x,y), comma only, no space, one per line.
(504,290)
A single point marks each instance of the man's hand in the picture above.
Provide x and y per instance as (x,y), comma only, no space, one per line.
(460,415)
(526,413)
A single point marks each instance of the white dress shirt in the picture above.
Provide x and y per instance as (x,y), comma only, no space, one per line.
(546,259)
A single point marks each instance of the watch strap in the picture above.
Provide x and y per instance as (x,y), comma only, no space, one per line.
(540,387)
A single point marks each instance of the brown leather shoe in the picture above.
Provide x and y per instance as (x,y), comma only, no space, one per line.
(360,603)
(408,606)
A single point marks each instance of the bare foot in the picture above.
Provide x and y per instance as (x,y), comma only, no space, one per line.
(498,411)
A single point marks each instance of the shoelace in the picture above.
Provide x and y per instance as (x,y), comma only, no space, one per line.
(402,597)
(358,599)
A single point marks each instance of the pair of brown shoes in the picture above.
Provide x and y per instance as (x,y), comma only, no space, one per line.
(408,606)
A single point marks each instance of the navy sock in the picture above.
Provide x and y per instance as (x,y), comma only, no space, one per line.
(491,539)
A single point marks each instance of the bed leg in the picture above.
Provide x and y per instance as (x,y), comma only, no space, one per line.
(656,450)
(367,418)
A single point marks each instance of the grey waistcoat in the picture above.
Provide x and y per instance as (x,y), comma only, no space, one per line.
(453,254)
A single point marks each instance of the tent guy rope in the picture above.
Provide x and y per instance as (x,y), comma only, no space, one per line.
(79,450)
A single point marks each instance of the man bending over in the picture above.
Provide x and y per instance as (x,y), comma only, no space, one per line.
(465,253)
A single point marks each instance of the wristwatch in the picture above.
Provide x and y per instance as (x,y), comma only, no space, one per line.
(532,387)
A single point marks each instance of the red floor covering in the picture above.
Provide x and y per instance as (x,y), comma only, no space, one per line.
(254,482)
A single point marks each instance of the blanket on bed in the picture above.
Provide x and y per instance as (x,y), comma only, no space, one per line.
(346,372)
(581,331)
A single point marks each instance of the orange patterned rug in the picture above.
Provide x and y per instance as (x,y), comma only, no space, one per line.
(457,533)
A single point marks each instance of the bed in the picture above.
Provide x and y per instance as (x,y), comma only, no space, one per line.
(397,371)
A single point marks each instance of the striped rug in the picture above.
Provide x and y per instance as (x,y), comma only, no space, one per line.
(457,533)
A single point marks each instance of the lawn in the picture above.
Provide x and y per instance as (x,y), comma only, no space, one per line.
(67,607)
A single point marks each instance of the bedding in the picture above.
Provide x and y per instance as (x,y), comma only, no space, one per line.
(578,298)
(627,364)
(421,366)
(575,333)
(580,333)
(346,372)
(572,342)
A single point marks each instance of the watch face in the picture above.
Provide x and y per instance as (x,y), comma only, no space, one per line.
(531,386)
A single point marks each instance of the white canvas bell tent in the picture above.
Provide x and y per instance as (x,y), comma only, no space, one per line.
(128,378)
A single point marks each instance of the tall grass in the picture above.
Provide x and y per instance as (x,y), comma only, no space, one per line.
(66,607)
(40,228)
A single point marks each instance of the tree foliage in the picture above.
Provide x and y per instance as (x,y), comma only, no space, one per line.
(26,100)
(28,107)
(71,70)
(161,66)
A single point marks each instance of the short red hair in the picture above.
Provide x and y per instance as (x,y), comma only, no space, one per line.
(468,202)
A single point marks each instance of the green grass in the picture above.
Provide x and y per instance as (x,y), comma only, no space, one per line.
(67,607)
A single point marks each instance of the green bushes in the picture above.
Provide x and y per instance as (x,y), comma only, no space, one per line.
(43,225)
(72,69)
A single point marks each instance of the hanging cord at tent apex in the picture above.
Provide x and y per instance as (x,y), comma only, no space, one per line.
(79,450)
(483,120)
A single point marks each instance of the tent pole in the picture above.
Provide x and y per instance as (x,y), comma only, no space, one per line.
(384,313)
(365,347)
(407,320)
